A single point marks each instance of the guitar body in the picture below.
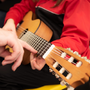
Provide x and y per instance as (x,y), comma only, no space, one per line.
(35,26)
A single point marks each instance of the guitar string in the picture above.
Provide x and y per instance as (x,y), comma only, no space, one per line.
(21,28)
(55,54)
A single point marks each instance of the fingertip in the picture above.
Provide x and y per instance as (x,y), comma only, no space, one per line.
(13,68)
(33,51)
(35,65)
(3,63)
(15,65)
(33,68)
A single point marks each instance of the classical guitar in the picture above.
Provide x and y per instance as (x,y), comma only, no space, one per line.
(72,71)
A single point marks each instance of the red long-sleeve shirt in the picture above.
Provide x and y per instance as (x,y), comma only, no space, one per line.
(76,21)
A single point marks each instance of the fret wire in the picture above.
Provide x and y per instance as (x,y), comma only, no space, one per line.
(43,47)
(25,38)
(34,45)
(43,41)
(33,40)
(30,39)
(38,44)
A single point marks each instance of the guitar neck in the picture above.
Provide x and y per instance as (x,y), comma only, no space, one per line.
(36,42)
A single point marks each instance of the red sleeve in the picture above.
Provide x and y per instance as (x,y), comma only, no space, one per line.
(18,11)
(76,30)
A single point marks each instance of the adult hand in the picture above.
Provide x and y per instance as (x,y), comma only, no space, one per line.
(8,38)
(36,62)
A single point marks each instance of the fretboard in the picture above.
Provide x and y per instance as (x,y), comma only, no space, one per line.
(36,42)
